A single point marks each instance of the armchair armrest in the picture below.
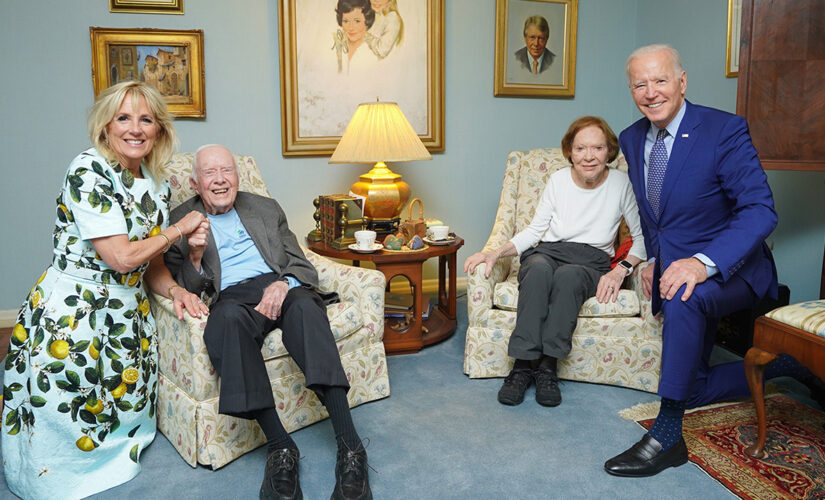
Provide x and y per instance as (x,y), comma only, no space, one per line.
(181,349)
(363,287)
(653,324)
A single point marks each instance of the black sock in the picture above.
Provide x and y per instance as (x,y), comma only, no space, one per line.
(276,436)
(522,364)
(335,400)
(667,429)
(547,362)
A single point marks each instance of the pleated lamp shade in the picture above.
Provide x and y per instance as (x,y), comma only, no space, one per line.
(379,132)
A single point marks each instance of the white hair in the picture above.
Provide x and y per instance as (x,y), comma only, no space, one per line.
(194,173)
(675,58)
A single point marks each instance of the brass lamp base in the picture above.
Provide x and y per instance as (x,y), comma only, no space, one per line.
(384,192)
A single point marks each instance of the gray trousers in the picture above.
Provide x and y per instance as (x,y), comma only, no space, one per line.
(554,281)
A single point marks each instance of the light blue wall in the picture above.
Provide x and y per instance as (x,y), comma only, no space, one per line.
(45,90)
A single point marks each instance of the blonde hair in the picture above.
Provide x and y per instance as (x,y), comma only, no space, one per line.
(108,103)
(392,6)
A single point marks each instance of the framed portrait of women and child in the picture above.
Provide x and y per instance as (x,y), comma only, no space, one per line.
(337,54)
(536,48)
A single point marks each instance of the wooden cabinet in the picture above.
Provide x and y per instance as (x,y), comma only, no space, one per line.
(781,88)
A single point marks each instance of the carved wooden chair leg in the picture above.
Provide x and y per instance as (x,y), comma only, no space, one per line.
(755,362)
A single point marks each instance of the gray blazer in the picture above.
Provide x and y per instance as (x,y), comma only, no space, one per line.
(266,224)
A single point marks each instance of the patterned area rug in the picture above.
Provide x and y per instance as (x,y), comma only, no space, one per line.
(717,437)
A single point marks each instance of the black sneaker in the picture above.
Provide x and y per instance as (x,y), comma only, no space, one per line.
(512,391)
(281,476)
(352,480)
(547,387)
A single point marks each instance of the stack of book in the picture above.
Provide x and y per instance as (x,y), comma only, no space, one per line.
(400,305)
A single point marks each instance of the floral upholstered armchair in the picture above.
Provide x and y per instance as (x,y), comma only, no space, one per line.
(615,343)
(188,394)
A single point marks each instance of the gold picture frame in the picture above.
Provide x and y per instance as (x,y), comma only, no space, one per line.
(147,6)
(733,38)
(519,74)
(318,96)
(170,60)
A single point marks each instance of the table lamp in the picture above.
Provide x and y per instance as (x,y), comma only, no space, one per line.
(379,132)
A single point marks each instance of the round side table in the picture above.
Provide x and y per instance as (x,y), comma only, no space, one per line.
(402,336)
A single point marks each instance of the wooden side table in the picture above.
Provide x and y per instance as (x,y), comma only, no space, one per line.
(401,337)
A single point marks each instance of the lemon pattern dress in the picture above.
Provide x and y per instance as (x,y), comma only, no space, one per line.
(80,380)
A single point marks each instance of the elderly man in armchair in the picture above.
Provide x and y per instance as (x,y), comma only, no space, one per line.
(245,260)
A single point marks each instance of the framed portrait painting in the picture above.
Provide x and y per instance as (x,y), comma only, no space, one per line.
(337,54)
(734,26)
(147,6)
(169,60)
(536,48)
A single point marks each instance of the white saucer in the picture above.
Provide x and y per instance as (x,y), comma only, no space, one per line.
(445,241)
(375,246)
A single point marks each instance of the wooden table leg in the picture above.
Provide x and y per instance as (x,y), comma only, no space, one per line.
(447,290)
(755,362)
(409,338)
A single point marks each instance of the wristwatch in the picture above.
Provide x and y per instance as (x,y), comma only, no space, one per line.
(627,265)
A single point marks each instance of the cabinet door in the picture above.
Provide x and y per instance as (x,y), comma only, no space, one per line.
(781,89)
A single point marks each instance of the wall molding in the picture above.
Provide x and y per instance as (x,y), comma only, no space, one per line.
(7,318)
(428,286)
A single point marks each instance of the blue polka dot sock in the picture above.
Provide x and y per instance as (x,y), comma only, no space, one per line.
(667,429)
(786,365)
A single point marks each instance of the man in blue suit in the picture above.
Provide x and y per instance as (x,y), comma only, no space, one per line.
(706,210)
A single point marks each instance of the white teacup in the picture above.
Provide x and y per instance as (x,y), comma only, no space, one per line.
(439,232)
(365,239)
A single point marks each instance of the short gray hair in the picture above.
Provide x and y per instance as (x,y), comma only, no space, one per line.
(194,173)
(675,58)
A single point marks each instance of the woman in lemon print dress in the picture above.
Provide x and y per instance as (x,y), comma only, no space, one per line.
(80,378)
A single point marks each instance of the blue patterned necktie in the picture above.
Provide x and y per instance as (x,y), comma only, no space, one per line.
(656,166)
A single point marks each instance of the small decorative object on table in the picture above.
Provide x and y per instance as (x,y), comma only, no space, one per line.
(316,234)
(413,227)
(340,217)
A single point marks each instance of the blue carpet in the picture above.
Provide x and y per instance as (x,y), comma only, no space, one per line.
(443,436)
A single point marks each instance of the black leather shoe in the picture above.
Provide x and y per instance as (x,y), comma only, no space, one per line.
(516,383)
(547,387)
(646,458)
(281,476)
(352,480)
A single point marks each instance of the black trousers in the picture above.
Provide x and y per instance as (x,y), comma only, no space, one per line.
(235,333)
(555,279)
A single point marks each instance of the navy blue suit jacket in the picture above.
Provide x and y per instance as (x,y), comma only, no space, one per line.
(715,199)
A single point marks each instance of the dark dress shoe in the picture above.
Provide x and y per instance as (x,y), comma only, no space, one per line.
(547,387)
(514,386)
(352,480)
(281,476)
(646,458)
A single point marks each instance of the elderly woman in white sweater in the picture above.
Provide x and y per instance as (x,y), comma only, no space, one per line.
(565,257)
